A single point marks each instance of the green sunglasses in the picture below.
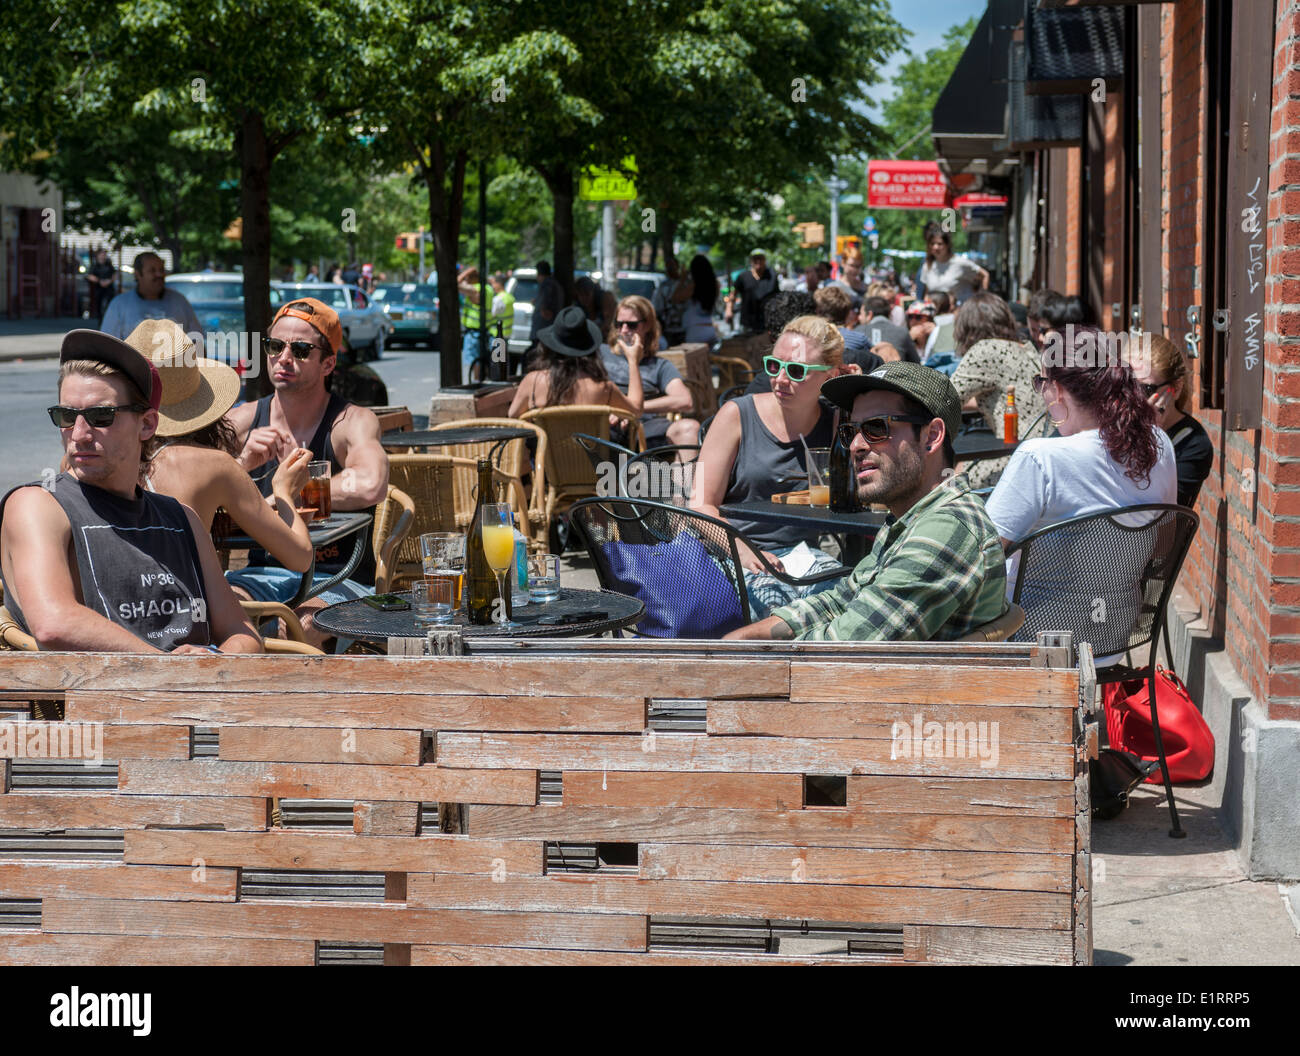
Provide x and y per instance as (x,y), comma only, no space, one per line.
(793,370)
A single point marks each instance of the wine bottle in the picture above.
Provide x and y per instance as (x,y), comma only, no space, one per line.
(1011,418)
(480,581)
(844,491)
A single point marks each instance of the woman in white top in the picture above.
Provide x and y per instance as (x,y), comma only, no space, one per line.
(942,272)
(697,315)
(1109,453)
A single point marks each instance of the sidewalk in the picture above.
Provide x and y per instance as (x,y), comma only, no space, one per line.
(36,338)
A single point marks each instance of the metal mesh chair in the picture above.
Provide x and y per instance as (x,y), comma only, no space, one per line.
(659,474)
(610,526)
(1107,577)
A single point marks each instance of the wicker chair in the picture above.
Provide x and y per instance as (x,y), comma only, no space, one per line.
(570,475)
(515,464)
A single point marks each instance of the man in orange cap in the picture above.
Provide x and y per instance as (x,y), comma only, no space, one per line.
(301,349)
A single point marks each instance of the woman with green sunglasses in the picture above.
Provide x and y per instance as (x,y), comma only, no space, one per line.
(756,445)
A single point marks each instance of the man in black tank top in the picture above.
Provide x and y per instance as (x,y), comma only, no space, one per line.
(301,349)
(89,559)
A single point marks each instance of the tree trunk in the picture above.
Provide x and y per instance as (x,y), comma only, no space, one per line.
(255,211)
(670,236)
(559,180)
(445,202)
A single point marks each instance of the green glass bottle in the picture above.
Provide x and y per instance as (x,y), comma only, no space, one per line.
(481,591)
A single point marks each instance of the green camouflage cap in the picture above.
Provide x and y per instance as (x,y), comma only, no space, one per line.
(757,253)
(931,389)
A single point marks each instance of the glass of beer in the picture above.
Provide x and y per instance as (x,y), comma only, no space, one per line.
(443,554)
(316,492)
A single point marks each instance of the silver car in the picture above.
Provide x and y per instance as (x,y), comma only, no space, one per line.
(364,321)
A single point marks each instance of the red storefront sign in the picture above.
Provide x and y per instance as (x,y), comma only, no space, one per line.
(906,185)
(981,200)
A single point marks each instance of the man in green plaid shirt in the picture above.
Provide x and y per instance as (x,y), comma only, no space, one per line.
(937,569)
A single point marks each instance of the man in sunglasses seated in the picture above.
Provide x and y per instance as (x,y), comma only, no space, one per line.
(936,571)
(90,560)
(301,346)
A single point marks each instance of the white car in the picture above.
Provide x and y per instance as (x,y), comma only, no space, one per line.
(364,322)
(523,284)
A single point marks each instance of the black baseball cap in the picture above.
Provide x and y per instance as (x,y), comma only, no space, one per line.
(931,389)
(105,348)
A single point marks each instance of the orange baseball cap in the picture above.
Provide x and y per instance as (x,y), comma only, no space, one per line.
(323,319)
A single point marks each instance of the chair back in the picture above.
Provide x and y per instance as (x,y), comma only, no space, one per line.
(570,473)
(427,482)
(394,518)
(657,474)
(692,363)
(1104,576)
(682,565)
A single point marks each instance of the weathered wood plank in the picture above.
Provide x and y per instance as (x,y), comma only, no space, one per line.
(200,777)
(376,709)
(386,819)
(41,879)
(959,795)
(455,675)
(837,865)
(338,852)
(394,747)
(35,739)
(937,684)
(508,955)
(815,828)
(566,892)
(783,718)
(623,789)
(107,810)
(955,945)
(693,751)
(28,949)
(337,922)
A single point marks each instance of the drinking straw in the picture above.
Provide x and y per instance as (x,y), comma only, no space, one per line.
(811,462)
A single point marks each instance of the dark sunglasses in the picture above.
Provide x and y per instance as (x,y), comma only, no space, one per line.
(633,323)
(301,349)
(1151,388)
(877,430)
(96,417)
(1038,383)
(793,370)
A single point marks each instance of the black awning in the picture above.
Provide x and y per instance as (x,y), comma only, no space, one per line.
(970,116)
(1037,122)
(1070,48)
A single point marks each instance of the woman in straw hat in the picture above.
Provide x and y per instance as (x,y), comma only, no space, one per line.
(195,460)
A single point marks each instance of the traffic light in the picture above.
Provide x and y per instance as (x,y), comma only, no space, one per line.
(843,242)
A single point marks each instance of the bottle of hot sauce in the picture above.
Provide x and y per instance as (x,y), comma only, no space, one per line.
(1010,418)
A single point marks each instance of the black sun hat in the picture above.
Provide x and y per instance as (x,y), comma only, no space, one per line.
(572,334)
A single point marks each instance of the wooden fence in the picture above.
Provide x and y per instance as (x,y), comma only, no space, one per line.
(576,803)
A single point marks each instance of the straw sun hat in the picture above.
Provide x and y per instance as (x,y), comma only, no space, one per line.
(195,391)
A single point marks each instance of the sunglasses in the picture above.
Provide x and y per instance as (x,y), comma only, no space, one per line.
(877,430)
(274,346)
(96,417)
(633,323)
(793,370)
(1038,383)
(1151,388)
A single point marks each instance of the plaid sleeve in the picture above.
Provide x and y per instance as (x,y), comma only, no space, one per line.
(931,573)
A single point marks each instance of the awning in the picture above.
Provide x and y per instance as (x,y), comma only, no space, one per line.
(906,185)
(1069,49)
(1039,122)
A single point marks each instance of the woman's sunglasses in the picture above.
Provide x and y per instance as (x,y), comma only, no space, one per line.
(300,349)
(794,370)
(1038,383)
(877,430)
(96,417)
(633,323)
(1151,388)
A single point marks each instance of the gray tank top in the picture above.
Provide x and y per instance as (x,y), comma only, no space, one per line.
(762,463)
(136,560)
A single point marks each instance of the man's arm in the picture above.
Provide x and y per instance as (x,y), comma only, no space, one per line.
(771,629)
(364,480)
(36,541)
(228,628)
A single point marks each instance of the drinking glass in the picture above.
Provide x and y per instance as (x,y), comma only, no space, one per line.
(543,577)
(432,599)
(443,556)
(316,492)
(499,549)
(819,476)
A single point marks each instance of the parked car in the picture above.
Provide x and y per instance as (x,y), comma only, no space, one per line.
(218,300)
(523,284)
(413,310)
(364,321)
(640,283)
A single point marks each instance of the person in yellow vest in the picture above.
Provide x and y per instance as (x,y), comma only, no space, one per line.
(503,306)
(470,317)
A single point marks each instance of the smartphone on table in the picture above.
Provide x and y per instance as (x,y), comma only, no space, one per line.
(387,602)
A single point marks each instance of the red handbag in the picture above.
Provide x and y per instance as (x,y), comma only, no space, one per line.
(1189,744)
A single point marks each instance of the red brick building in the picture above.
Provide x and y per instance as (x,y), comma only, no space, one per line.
(1151,154)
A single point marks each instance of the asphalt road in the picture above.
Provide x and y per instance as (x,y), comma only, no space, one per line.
(29,443)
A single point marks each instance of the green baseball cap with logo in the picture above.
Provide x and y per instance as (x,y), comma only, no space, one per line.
(931,389)
(757,253)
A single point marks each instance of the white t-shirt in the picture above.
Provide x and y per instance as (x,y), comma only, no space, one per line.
(128,310)
(956,276)
(1052,479)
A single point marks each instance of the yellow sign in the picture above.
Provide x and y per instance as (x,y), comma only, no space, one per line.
(599,184)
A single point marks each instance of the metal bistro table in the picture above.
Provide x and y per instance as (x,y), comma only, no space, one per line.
(499,435)
(976,445)
(610,612)
(335,527)
(856,530)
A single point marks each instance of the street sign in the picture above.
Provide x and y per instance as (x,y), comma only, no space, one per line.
(906,185)
(600,184)
(868,225)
